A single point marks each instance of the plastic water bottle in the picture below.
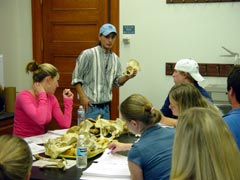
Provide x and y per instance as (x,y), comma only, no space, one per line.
(81,154)
(81,114)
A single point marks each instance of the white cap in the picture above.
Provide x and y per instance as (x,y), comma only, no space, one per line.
(190,66)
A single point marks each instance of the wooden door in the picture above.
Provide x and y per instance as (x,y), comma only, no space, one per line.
(64,28)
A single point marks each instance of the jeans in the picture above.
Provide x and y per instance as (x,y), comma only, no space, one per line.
(98,109)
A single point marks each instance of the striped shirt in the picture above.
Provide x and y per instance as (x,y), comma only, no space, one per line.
(97,72)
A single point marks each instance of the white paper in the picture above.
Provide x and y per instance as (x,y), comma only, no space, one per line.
(41,139)
(113,166)
(36,149)
(43,163)
(58,131)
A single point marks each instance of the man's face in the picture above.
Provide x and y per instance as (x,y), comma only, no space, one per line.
(179,77)
(107,41)
(229,94)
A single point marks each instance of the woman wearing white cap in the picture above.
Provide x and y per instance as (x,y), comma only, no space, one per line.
(185,71)
(97,70)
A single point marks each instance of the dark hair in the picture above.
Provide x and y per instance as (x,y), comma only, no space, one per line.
(138,107)
(41,71)
(233,81)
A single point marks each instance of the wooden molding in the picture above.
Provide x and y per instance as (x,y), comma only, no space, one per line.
(214,70)
(200,1)
(37,33)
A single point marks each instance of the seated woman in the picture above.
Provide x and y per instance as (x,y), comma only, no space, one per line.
(185,71)
(35,108)
(184,96)
(150,156)
(15,158)
(204,148)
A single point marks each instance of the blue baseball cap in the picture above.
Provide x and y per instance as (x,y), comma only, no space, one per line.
(106,29)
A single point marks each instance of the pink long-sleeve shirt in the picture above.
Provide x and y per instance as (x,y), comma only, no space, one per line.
(32,115)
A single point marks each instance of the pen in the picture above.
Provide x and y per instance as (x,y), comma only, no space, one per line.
(110,150)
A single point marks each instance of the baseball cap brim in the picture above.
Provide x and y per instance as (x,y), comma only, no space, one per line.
(197,76)
(105,33)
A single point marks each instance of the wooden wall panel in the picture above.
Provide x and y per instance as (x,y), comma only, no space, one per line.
(205,69)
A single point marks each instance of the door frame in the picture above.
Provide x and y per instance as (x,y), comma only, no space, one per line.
(37,40)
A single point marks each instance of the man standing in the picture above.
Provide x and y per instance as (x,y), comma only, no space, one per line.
(97,70)
(232,118)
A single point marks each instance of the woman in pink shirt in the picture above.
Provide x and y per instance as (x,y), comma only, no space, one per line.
(36,107)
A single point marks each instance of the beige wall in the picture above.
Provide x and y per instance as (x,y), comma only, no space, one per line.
(164,32)
(16,41)
(168,32)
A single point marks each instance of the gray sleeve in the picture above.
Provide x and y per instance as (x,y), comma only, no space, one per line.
(80,68)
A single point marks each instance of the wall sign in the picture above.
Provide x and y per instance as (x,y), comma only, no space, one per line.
(128,29)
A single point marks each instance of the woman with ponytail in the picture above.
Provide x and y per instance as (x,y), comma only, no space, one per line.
(150,156)
(36,107)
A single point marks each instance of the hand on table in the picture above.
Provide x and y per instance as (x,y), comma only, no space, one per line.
(116,146)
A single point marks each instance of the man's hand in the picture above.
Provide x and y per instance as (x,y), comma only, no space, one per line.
(84,101)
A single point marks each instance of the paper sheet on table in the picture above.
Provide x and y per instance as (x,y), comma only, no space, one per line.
(41,163)
(41,139)
(36,149)
(58,131)
(113,166)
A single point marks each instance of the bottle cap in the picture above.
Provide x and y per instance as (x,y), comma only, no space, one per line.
(81,136)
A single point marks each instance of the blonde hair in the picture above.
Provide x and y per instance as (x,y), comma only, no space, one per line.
(186,95)
(15,158)
(138,107)
(41,71)
(204,148)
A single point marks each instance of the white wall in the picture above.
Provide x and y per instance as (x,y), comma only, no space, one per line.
(169,32)
(16,41)
(164,33)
